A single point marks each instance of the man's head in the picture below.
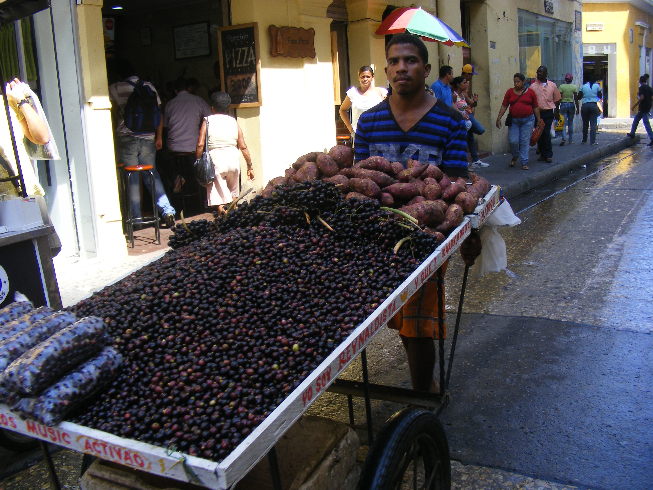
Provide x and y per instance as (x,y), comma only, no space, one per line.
(643,79)
(193,84)
(468,71)
(542,73)
(124,69)
(181,84)
(406,64)
(446,74)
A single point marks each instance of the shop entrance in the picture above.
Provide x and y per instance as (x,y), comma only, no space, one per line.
(340,60)
(598,66)
(601,61)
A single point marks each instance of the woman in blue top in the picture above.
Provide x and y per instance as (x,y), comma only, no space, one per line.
(590,93)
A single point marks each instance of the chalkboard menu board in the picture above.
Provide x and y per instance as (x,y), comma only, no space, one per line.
(240,64)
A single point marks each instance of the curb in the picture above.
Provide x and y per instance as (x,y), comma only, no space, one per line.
(517,188)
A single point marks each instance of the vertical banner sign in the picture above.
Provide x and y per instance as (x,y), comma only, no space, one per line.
(240,64)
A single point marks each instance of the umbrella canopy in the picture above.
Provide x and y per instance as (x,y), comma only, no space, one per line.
(421,23)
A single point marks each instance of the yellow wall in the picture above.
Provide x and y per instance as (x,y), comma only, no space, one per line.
(98,132)
(617,20)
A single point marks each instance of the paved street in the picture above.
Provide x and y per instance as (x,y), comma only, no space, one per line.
(549,383)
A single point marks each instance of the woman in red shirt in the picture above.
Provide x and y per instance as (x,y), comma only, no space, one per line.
(525,113)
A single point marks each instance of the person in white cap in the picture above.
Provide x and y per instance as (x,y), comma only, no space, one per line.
(476,127)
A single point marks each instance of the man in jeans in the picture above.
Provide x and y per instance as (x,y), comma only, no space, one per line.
(138,149)
(644,102)
(548,100)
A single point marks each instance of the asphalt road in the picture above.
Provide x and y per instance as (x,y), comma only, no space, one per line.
(552,372)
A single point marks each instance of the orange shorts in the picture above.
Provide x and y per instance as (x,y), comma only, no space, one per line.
(419,316)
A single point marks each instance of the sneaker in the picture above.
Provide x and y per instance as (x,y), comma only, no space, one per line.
(169,220)
(479,163)
(596,144)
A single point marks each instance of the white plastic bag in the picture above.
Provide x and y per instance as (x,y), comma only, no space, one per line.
(503,216)
(493,256)
(48,151)
(553,130)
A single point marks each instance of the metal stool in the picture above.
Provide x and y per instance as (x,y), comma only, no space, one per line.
(126,203)
(343,140)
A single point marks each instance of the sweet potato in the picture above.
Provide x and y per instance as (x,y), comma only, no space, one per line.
(415,200)
(380,178)
(302,160)
(355,195)
(462,181)
(452,218)
(439,236)
(279,181)
(474,192)
(342,155)
(403,191)
(267,190)
(413,163)
(444,183)
(429,180)
(308,172)
(450,193)
(397,167)
(290,172)
(387,200)
(348,172)
(467,202)
(366,187)
(426,212)
(433,172)
(327,165)
(442,205)
(340,181)
(432,191)
(481,184)
(414,172)
(376,163)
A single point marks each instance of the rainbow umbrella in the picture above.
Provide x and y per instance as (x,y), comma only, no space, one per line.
(421,23)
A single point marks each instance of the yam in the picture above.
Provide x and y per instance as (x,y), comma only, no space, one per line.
(302,160)
(279,181)
(308,172)
(415,200)
(348,172)
(340,181)
(413,163)
(366,187)
(397,167)
(290,172)
(420,185)
(433,172)
(444,182)
(403,191)
(467,202)
(355,195)
(380,178)
(387,200)
(327,165)
(450,193)
(425,212)
(414,172)
(481,184)
(267,191)
(452,218)
(429,180)
(376,163)
(438,236)
(462,181)
(442,205)
(474,192)
(342,155)
(432,191)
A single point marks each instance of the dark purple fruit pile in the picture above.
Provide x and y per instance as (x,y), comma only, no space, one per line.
(217,333)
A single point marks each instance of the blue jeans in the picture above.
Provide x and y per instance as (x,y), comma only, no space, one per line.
(477,128)
(141,151)
(519,135)
(639,116)
(568,110)
(590,114)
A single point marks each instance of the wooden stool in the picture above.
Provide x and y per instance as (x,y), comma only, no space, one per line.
(130,221)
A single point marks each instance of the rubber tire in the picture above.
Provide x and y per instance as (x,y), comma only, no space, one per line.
(395,439)
(16,442)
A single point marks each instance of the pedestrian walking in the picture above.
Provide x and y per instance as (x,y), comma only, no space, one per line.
(548,100)
(361,98)
(590,93)
(644,102)
(523,113)
(467,73)
(568,107)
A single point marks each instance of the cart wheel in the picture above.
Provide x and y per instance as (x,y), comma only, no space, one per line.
(411,451)
(16,442)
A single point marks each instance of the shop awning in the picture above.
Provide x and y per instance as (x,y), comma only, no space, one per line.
(11,10)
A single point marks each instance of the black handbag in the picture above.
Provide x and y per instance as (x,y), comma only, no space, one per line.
(203,167)
(509,118)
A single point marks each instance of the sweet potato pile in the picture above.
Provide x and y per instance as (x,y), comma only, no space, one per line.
(421,191)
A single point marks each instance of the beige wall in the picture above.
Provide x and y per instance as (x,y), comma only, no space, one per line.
(99,141)
(617,20)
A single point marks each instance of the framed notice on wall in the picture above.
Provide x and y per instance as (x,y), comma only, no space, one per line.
(240,64)
(192,40)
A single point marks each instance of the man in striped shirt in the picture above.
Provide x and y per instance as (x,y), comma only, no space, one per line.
(410,123)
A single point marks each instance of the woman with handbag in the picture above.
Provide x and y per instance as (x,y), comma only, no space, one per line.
(225,142)
(522,116)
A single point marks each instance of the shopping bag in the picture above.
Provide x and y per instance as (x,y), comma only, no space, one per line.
(49,150)
(503,216)
(553,131)
(537,132)
(493,256)
(203,169)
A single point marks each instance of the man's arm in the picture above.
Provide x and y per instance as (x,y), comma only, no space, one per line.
(454,156)
(158,140)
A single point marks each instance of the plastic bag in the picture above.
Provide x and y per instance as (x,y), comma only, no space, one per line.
(493,256)
(54,403)
(22,322)
(48,151)
(503,215)
(203,169)
(14,310)
(537,132)
(16,345)
(553,131)
(42,365)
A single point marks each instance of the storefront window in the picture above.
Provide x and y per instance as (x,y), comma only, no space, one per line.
(545,41)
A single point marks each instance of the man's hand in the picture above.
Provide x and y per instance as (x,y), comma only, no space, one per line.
(158,143)
(471,248)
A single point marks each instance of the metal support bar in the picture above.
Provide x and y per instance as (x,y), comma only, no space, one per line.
(443,386)
(368,403)
(386,393)
(457,327)
(274,469)
(50,465)
(350,405)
